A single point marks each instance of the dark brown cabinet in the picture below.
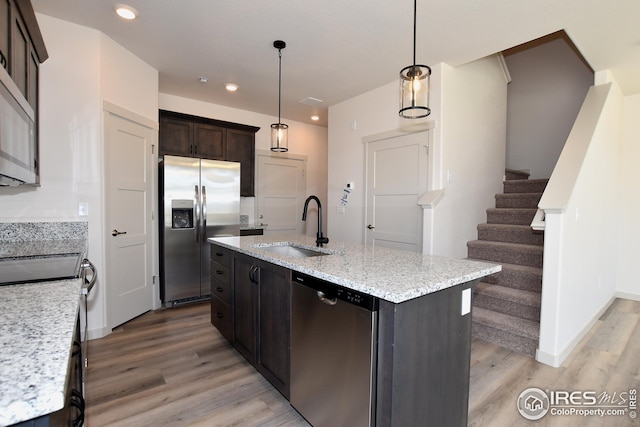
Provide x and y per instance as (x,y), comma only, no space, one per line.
(260,308)
(193,136)
(21,47)
(221,291)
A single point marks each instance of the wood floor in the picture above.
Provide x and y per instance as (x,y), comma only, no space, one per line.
(172,368)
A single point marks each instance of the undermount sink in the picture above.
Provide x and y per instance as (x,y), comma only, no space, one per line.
(292,251)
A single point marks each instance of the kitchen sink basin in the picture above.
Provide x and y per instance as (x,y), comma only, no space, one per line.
(292,251)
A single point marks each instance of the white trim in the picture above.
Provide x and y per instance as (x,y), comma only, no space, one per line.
(538,221)
(628,295)
(430,199)
(412,127)
(556,360)
(126,114)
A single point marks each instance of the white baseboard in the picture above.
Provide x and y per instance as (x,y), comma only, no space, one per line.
(628,295)
(556,360)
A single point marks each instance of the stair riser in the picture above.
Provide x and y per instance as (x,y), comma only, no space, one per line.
(525,237)
(511,308)
(511,216)
(506,339)
(526,202)
(509,257)
(524,186)
(516,280)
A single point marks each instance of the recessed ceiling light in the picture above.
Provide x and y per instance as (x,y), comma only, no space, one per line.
(231,87)
(315,118)
(125,11)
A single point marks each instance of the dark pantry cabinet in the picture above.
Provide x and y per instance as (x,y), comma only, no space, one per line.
(193,136)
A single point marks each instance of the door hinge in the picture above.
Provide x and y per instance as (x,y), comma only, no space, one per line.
(153,149)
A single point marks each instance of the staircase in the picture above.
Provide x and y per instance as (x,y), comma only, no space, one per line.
(506,307)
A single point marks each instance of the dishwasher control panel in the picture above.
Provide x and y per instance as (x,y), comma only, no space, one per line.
(332,290)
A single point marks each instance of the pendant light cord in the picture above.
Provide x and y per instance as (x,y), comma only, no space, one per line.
(280,81)
(415,8)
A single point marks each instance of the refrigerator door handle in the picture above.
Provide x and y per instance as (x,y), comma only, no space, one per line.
(197,215)
(204,213)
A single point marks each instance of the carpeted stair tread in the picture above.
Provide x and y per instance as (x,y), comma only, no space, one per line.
(514,302)
(515,295)
(490,330)
(515,216)
(525,185)
(504,322)
(510,233)
(515,174)
(512,253)
(518,200)
(517,277)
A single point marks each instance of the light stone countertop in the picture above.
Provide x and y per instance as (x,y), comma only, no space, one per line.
(390,274)
(37,323)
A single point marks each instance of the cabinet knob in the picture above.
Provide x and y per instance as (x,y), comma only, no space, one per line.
(219,315)
(219,289)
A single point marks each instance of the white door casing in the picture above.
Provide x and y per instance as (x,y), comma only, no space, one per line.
(281,193)
(129,184)
(396,176)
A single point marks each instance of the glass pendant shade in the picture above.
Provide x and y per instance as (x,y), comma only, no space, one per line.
(279,137)
(414,91)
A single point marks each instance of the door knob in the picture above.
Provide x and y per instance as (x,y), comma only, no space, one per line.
(116,232)
(370,227)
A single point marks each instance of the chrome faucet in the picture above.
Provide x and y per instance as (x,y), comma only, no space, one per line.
(320,239)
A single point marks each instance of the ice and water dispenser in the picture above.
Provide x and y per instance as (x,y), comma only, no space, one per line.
(181,214)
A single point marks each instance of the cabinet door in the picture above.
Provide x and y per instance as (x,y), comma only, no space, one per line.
(5,28)
(20,54)
(274,325)
(175,137)
(241,148)
(244,306)
(210,142)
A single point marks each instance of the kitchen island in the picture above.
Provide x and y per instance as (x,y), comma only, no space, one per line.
(422,332)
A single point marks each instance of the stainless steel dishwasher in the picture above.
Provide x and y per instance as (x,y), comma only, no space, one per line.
(333,353)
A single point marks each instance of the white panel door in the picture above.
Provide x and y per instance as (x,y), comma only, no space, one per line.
(396,177)
(281,194)
(129,176)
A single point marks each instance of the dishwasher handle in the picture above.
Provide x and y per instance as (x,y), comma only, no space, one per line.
(323,297)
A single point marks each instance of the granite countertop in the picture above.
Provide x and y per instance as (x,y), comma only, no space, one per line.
(42,248)
(390,274)
(37,323)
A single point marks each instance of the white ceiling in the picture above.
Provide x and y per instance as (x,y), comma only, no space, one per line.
(337,49)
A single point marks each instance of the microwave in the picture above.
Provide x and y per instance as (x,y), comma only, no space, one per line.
(18,143)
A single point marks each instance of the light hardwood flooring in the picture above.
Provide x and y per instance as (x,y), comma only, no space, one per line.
(172,368)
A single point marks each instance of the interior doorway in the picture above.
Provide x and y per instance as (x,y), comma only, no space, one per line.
(396,176)
(281,188)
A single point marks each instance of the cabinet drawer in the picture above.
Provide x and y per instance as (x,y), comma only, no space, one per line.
(221,317)
(220,272)
(221,289)
(221,256)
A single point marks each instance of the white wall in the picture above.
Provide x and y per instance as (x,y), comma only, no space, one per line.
(468,106)
(549,83)
(582,208)
(304,140)
(629,221)
(84,68)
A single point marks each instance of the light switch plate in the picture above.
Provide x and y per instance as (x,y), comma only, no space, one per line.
(466,302)
(83,209)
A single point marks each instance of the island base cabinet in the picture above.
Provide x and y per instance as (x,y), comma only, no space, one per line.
(261,313)
(424,351)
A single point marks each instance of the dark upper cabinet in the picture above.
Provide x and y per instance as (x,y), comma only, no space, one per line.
(193,136)
(241,147)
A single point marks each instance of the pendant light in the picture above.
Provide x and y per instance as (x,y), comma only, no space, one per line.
(414,84)
(279,131)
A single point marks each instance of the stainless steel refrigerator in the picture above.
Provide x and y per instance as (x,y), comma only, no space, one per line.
(201,199)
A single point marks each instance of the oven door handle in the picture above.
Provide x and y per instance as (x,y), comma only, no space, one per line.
(87,284)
